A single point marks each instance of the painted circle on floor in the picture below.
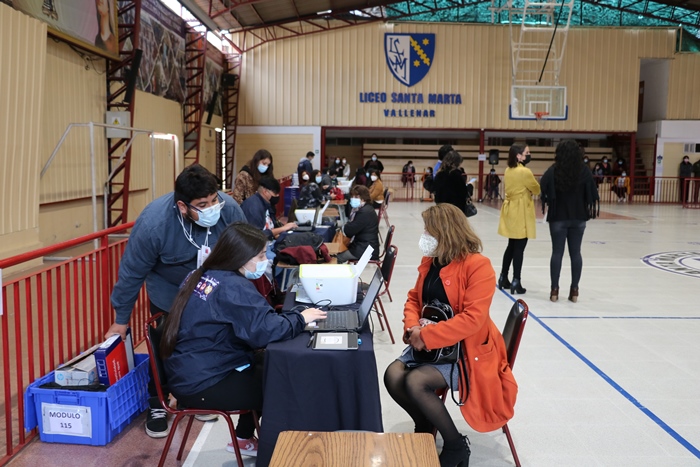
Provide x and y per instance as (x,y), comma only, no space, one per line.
(686,263)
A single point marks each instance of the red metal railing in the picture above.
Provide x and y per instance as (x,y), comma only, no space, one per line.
(52,312)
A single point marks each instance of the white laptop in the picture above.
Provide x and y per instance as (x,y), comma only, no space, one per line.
(309,215)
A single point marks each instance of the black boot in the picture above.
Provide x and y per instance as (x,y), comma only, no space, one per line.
(455,453)
(516,286)
(503,282)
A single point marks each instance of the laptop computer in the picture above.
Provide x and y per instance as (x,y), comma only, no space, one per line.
(350,320)
(318,219)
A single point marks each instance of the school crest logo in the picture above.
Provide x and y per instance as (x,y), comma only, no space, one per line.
(409,56)
(686,263)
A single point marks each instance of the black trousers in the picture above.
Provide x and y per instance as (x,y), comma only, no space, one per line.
(514,254)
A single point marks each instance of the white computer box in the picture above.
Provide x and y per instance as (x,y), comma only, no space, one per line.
(333,284)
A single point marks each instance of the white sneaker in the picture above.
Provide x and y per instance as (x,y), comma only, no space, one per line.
(206,417)
(248,447)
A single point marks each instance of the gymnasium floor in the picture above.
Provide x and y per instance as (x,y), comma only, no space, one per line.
(612,380)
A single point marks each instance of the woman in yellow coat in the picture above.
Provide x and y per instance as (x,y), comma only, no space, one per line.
(517,221)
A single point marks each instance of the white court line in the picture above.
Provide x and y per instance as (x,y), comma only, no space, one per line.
(198,444)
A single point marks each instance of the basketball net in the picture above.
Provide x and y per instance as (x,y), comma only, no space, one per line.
(541,117)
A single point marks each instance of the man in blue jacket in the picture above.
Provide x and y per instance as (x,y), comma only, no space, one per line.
(258,209)
(172,236)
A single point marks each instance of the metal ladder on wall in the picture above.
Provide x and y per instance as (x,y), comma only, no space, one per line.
(231,92)
(120,97)
(193,108)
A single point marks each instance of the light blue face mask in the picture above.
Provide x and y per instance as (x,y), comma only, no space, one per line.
(318,179)
(259,270)
(262,168)
(366,174)
(355,203)
(210,216)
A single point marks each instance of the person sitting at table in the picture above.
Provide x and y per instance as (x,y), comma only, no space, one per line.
(453,271)
(217,322)
(360,177)
(376,188)
(362,226)
(310,194)
(258,209)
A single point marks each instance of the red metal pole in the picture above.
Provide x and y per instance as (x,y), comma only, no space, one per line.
(19,371)
(482,137)
(6,370)
(40,316)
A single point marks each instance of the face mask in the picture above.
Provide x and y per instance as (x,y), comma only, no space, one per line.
(210,216)
(585,161)
(274,200)
(493,173)
(619,162)
(527,160)
(366,174)
(305,177)
(262,168)
(337,161)
(355,203)
(686,160)
(344,161)
(427,244)
(259,270)
(374,178)
(605,161)
(374,158)
(318,179)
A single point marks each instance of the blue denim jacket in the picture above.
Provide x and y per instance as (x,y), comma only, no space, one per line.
(159,253)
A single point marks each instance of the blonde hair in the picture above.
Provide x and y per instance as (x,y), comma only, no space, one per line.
(450,227)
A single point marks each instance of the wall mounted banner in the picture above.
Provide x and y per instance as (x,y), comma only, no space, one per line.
(90,24)
(409,56)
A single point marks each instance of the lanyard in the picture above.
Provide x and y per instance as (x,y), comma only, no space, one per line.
(188,235)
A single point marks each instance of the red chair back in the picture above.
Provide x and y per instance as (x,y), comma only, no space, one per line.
(388,264)
(153,346)
(513,329)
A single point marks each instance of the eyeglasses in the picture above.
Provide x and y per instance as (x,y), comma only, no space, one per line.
(219,201)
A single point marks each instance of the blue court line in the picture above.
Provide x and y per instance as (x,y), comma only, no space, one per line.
(673,433)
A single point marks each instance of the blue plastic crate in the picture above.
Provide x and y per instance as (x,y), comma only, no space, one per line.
(109,412)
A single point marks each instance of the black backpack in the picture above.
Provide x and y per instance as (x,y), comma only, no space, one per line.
(300,239)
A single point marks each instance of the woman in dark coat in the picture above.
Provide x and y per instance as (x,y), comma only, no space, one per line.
(363,226)
(450,184)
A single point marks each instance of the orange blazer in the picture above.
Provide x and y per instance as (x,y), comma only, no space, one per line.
(470,285)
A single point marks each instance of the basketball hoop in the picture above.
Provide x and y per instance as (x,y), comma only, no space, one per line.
(541,117)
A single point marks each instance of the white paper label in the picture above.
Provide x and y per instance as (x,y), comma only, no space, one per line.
(71,420)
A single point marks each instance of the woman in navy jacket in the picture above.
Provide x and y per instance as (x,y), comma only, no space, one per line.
(217,322)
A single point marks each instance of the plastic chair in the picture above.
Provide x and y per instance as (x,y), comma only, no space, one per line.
(512,334)
(387,269)
(153,343)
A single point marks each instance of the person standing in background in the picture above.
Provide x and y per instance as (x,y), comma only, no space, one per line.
(696,174)
(571,196)
(517,222)
(374,163)
(305,165)
(685,171)
(408,174)
(346,169)
(246,183)
(450,185)
(442,152)
(172,236)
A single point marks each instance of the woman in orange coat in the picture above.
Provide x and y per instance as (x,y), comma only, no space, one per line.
(454,272)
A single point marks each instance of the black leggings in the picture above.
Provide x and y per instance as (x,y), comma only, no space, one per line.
(239,390)
(414,390)
(514,254)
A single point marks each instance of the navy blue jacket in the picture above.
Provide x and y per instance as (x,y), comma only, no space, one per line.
(224,320)
(256,210)
(159,253)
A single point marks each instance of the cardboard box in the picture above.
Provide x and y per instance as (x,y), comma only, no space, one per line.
(80,371)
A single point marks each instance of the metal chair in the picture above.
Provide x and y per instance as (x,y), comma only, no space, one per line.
(384,207)
(153,343)
(512,334)
(387,269)
(387,243)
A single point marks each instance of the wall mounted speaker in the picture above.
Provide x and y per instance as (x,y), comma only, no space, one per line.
(131,76)
(493,156)
(228,80)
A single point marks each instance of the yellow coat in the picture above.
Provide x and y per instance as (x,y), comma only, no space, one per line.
(518,210)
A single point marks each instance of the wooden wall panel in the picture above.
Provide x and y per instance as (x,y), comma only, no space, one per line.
(23,58)
(317,79)
(684,88)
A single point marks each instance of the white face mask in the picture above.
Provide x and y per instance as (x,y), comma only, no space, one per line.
(427,244)
(210,216)
(337,161)
(374,178)
(374,158)
(344,161)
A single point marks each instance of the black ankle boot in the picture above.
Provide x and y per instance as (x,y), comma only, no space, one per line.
(516,286)
(503,282)
(455,453)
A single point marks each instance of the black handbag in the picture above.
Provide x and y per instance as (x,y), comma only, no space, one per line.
(432,313)
(470,209)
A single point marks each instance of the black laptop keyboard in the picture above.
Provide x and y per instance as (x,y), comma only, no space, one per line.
(334,320)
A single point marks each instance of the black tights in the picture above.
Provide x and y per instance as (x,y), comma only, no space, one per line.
(514,253)
(414,390)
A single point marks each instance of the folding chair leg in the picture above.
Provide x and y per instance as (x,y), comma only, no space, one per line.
(379,313)
(184,438)
(511,444)
(169,441)
(234,443)
(386,320)
(389,294)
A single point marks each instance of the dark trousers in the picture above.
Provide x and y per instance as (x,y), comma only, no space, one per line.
(239,390)
(682,190)
(514,254)
(566,232)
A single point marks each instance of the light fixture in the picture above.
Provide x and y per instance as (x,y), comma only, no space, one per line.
(327,12)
